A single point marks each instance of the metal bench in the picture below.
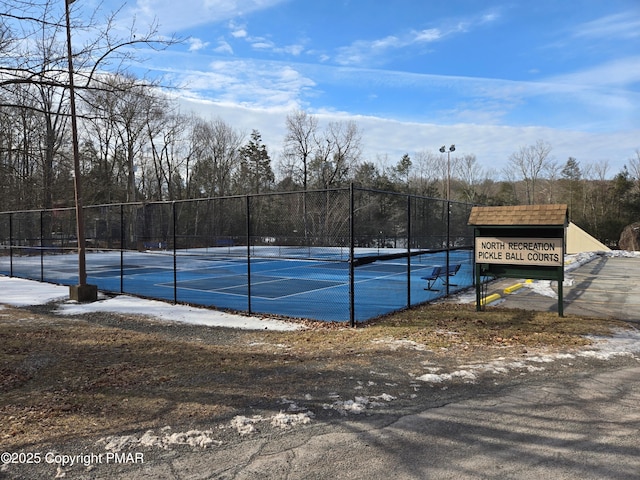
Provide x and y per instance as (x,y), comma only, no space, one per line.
(440,272)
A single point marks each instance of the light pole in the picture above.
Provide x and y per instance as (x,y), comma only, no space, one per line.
(81,292)
(443,149)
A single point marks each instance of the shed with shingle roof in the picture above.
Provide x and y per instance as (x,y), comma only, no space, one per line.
(554,215)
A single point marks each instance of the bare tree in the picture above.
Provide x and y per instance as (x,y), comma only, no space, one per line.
(530,162)
(634,170)
(103,152)
(22,154)
(595,195)
(550,184)
(472,176)
(337,152)
(121,123)
(427,170)
(215,148)
(165,132)
(299,144)
(32,40)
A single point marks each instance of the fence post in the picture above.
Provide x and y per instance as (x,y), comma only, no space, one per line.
(10,244)
(408,250)
(352,294)
(175,263)
(42,245)
(248,214)
(122,246)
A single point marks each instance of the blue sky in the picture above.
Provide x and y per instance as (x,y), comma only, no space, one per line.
(489,76)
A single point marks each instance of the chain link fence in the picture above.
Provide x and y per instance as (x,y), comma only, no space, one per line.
(347,254)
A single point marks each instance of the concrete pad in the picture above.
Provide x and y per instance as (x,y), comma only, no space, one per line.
(606,287)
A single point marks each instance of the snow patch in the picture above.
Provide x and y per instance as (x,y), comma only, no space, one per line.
(248,425)
(18,292)
(287,420)
(125,304)
(22,293)
(359,404)
(165,439)
(623,343)
(465,375)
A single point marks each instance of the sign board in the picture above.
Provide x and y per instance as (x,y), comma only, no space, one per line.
(519,241)
(519,251)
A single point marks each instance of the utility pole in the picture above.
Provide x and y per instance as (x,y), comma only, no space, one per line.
(81,292)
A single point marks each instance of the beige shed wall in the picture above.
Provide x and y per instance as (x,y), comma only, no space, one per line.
(579,241)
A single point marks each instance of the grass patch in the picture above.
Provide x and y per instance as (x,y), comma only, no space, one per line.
(494,325)
(445,326)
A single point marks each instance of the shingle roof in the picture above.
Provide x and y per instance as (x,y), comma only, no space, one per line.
(555,215)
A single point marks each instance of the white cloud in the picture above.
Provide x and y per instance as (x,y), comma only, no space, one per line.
(363,52)
(223,47)
(241,33)
(377,51)
(246,82)
(294,49)
(263,92)
(180,16)
(468,111)
(489,17)
(598,99)
(381,137)
(238,31)
(619,72)
(196,44)
(382,44)
(625,25)
(430,35)
(262,45)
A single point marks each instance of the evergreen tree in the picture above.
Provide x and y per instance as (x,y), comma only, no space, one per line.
(255,174)
(571,176)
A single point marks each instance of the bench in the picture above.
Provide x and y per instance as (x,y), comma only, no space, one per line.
(441,272)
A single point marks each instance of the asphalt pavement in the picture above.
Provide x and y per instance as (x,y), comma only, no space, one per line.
(607,287)
(588,428)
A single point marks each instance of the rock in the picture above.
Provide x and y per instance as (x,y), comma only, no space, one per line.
(630,237)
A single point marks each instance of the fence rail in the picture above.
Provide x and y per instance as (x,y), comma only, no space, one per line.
(184,251)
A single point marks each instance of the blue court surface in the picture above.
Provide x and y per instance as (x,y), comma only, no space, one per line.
(293,287)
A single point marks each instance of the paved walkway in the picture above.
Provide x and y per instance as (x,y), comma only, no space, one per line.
(605,287)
